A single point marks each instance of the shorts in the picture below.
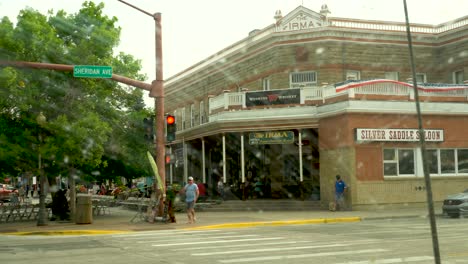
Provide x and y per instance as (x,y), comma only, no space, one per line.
(190,205)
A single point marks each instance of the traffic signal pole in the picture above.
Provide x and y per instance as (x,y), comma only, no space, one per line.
(157,92)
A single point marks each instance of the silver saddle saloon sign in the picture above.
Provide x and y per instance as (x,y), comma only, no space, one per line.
(273,137)
(408,135)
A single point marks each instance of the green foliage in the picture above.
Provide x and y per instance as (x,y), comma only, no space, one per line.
(94,125)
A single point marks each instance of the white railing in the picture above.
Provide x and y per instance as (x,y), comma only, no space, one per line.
(216,103)
(228,100)
(398,26)
(449,93)
(236,99)
(383,89)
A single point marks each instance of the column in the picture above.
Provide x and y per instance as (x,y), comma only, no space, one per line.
(224,158)
(242,158)
(203,160)
(301,173)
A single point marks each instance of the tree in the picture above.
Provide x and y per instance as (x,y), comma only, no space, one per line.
(90,122)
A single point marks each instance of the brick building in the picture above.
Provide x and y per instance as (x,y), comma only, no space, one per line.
(312,96)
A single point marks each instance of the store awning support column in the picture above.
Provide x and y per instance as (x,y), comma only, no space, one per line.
(185,160)
(301,173)
(224,158)
(242,158)
(203,160)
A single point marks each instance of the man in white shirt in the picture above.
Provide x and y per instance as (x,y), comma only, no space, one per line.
(191,196)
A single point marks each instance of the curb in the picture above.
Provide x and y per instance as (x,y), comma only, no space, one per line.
(67,233)
(278,223)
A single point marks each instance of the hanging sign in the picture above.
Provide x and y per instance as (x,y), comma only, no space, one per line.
(277,97)
(273,137)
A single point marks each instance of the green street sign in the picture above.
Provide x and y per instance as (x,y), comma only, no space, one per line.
(92,71)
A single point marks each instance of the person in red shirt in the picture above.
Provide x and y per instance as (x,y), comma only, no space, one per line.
(202,191)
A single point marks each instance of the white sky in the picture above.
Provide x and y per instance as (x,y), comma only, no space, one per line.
(192,30)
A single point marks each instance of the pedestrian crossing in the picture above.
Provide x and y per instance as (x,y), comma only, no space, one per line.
(372,242)
(257,245)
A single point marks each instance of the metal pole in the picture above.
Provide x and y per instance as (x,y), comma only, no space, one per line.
(158,94)
(422,140)
(157,91)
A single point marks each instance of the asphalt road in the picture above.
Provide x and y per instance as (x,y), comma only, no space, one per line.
(373,241)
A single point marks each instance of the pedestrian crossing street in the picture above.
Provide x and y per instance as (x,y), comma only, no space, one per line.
(300,244)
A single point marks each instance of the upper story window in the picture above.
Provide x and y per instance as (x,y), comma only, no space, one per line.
(353,75)
(421,78)
(458,77)
(266,84)
(302,79)
(183,118)
(192,115)
(392,76)
(202,112)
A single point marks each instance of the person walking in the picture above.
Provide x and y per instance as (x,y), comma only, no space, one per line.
(191,196)
(220,188)
(22,194)
(340,189)
(202,195)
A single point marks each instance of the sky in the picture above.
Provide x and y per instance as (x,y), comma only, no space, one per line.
(193,30)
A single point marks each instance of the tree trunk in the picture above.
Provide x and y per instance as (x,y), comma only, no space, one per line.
(71,183)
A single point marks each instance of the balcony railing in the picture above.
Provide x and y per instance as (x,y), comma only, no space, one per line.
(322,95)
(398,26)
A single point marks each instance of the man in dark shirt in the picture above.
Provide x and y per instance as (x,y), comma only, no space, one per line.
(340,188)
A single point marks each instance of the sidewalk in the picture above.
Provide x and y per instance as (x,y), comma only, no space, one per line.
(119,221)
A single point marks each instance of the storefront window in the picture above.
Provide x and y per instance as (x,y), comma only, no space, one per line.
(398,162)
(463,161)
(447,161)
(406,161)
(433,161)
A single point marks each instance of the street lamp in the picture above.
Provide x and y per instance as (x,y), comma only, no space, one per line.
(157,91)
(41,219)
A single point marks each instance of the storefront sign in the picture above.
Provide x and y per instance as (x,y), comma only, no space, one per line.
(273,137)
(408,135)
(302,21)
(289,96)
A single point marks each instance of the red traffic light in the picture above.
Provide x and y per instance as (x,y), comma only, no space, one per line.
(170,119)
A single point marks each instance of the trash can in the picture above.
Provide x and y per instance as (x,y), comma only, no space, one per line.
(84,209)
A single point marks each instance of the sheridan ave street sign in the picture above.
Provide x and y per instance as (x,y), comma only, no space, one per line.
(92,71)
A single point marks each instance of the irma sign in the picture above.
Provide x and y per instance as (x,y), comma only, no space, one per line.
(271,137)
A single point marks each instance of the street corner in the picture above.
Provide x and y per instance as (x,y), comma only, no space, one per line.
(277,223)
(65,233)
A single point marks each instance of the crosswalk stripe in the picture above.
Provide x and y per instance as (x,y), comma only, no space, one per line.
(184,238)
(257,250)
(240,245)
(391,261)
(217,241)
(296,256)
(171,232)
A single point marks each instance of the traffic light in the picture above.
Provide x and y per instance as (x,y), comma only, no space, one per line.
(148,123)
(170,128)
(170,159)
